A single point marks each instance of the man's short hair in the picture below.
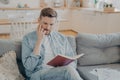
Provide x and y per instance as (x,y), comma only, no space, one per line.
(48,12)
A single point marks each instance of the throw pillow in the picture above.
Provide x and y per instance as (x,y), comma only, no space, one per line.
(8,67)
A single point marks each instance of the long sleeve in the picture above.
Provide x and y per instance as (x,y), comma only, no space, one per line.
(30,61)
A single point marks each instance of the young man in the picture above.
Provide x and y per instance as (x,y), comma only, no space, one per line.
(42,45)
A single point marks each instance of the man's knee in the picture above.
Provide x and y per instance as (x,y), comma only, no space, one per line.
(71,73)
(69,69)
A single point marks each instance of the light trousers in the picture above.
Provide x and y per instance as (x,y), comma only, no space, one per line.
(58,73)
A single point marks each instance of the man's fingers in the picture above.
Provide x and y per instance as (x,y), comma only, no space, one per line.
(44,32)
(39,28)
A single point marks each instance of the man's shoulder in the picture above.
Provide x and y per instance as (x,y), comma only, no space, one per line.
(59,34)
(31,35)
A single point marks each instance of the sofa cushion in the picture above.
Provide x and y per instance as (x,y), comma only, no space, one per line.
(9,68)
(85,71)
(98,48)
(8,45)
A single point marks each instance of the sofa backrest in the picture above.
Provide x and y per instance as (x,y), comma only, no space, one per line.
(10,45)
(98,48)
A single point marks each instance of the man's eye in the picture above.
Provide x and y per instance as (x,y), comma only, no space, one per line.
(45,23)
(51,24)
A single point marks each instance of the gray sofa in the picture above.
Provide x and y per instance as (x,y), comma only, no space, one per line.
(101,51)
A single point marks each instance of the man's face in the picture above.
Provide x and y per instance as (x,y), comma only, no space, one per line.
(47,24)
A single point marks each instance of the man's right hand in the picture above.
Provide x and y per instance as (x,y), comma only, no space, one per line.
(40,35)
(40,32)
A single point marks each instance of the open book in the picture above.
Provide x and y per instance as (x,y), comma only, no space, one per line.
(61,60)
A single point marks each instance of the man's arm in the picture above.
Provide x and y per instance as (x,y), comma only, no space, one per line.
(40,35)
(29,59)
(32,57)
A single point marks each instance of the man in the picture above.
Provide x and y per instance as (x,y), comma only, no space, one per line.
(40,46)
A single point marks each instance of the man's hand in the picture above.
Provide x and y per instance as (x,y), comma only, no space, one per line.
(40,35)
(40,32)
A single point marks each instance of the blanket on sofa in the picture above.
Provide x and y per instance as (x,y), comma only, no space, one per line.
(8,67)
(106,74)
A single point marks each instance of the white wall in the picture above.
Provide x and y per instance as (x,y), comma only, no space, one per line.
(32,15)
(113,23)
(91,22)
(66,16)
(84,21)
(79,20)
(14,3)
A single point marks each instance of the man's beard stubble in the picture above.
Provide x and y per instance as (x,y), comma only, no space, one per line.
(47,31)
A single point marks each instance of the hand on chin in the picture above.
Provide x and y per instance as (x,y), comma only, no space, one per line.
(47,32)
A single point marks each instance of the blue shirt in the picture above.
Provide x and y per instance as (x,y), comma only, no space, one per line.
(58,44)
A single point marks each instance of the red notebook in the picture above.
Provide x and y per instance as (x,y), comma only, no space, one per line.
(61,60)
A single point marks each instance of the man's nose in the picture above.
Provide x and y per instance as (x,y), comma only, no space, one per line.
(47,26)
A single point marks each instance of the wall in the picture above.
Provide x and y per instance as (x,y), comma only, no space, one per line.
(14,3)
(32,15)
(95,22)
(65,15)
(78,20)
(16,15)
